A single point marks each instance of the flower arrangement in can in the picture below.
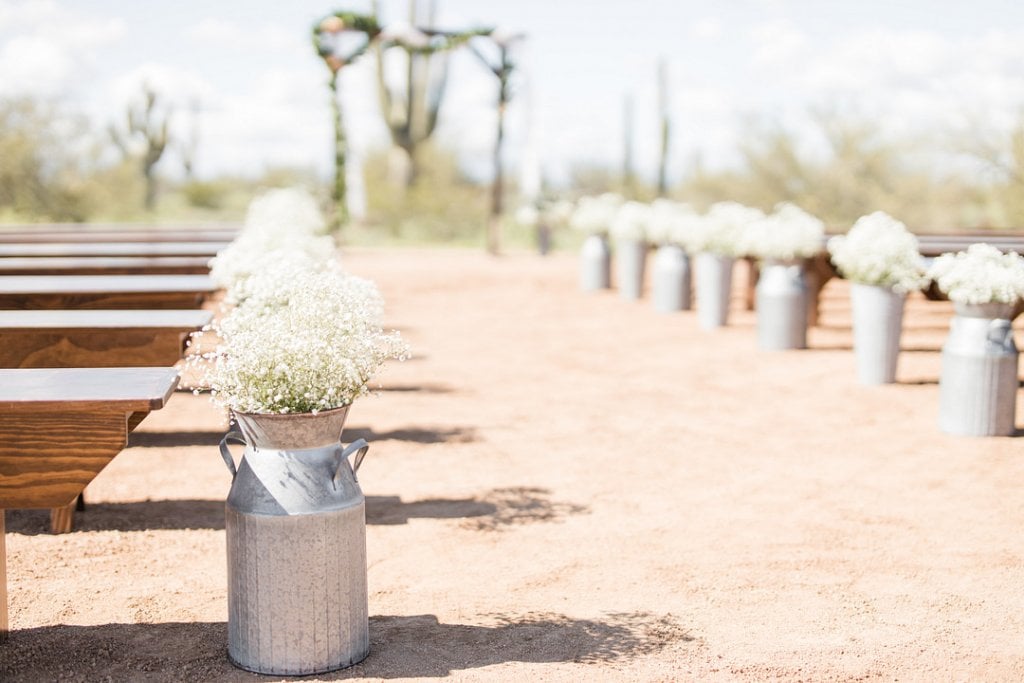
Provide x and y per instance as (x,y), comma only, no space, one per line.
(879,250)
(674,223)
(980,275)
(253,253)
(280,225)
(723,228)
(594,215)
(303,341)
(630,222)
(788,233)
(290,211)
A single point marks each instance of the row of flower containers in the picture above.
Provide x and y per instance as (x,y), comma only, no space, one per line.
(297,342)
(880,258)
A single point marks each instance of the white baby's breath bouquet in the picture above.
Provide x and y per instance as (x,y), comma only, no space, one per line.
(879,250)
(303,341)
(980,275)
(786,234)
(630,223)
(558,213)
(252,253)
(594,215)
(723,229)
(672,222)
(291,211)
(280,225)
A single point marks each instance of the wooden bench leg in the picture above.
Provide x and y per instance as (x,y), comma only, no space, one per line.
(753,275)
(62,518)
(3,578)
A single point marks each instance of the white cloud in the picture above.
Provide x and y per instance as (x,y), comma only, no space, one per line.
(706,29)
(776,44)
(229,35)
(48,49)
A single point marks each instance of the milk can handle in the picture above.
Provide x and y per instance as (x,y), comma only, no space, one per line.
(225,453)
(359,447)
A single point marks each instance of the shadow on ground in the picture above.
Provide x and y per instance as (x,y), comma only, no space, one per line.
(417,388)
(493,511)
(212,438)
(413,434)
(497,509)
(400,647)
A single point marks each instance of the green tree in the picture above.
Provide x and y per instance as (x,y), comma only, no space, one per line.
(41,177)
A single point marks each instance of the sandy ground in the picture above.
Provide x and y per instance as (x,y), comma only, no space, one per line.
(567,487)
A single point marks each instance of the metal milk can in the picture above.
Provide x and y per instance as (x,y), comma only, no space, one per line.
(595,264)
(781,306)
(978,385)
(296,545)
(877,327)
(630,261)
(714,289)
(670,279)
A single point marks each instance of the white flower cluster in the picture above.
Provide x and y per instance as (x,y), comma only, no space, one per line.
(879,250)
(980,275)
(299,334)
(673,222)
(630,222)
(289,211)
(594,215)
(787,233)
(269,236)
(723,229)
(303,341)
(558,213)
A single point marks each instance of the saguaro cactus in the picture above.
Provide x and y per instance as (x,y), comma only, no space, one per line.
(411,110)
(146,129)
(665,127)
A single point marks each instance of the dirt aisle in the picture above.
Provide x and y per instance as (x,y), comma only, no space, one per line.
(567,487)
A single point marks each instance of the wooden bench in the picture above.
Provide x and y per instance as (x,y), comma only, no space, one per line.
(105,265)
(27,292)
(96,338)
(79,249)
(79,233)
(60,427)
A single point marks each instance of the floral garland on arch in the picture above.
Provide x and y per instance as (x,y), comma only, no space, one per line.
(327,37)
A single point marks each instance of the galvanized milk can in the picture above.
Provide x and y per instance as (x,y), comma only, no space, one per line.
(296,545)
(781,295)
(978,384)
(595,264)
(714,289)
(630,259)
(877,327)
(670,279)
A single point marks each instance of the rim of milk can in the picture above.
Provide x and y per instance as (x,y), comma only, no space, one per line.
(994,309)
(292,430)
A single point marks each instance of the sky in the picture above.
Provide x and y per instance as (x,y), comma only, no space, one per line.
(244,77)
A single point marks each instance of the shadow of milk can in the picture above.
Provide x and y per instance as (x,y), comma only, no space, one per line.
(296,545)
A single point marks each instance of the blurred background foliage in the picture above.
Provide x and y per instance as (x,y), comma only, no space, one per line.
(48,174)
